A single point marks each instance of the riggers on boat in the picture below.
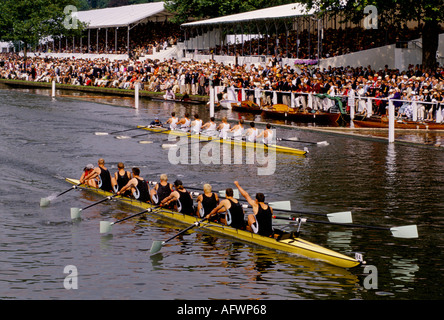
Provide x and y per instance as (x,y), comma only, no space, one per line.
(286,242)
(269,147)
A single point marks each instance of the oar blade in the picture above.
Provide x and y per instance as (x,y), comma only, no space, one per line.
(101,133)
(235,193)
(280,205)
(408,232)
(156,246)
(75,213)
(44,202)
(105,226)
(122,137)
(322,143)
(340,217)
(169,146)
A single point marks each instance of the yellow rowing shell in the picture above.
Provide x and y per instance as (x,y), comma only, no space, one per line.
(296,246)
(269,147)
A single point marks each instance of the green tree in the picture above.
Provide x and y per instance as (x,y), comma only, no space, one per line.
(32,20)
(428,14)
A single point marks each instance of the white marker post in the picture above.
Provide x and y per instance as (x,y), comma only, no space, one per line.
(391,136)
(136,95)
(53,89)
(211,101)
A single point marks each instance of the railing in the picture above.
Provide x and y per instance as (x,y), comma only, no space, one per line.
(413,109)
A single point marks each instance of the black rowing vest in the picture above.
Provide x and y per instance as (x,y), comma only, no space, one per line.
(185,203)
(105,180)
(143,193)
(122,180)
(235,215)
(264,221)
(162,192)
(208,203)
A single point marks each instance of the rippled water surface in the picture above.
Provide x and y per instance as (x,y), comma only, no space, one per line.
(45,140)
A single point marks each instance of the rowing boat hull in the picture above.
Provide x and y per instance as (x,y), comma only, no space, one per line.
(318,117)
(403,124)
(296,246)
(269,147)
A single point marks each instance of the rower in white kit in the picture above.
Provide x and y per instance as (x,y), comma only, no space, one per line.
(185,123)
(173,121)
(266,135)
(209,128)
(223,128)
(251,133)
(196,125)
(238,130)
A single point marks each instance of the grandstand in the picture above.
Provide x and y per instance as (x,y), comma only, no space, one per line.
(290,34)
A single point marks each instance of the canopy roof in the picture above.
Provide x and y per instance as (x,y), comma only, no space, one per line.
(122,16)
(279,12)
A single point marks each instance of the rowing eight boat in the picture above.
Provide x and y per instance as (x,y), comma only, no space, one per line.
(233,142)
(287,243)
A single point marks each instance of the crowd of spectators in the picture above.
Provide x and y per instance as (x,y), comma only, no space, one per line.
(195,77)
(335,42)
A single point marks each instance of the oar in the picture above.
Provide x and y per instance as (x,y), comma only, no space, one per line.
(106,226)
(408,232)
(143,134)
(295,139)
(108,133)
(337,217)
(75,212)
(44,202)
(157,245)
(170,146)
(285,206)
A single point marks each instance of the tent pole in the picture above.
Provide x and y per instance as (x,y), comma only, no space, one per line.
(128,41)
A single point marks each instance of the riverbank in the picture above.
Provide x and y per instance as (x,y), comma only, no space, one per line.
(358,133)
(108,91)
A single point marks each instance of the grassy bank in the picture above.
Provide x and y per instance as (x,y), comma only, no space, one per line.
(108,91)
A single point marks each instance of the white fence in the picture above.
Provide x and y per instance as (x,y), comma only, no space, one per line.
(412,109)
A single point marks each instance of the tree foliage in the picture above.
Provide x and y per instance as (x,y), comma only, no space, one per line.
(32,20)
(428,14)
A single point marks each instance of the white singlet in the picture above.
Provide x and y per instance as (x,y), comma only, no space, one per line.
(186,126)
(196,127)
(237,134)
(251,135)
(269,139)
(173,124)
(224,130)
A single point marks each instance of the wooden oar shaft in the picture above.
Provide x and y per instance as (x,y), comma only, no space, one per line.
(127,130)
(350,225)
(98,202)
(196,224)
(72,188)
(137,214)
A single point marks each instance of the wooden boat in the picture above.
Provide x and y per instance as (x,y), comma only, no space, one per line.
(383,122)
(287,242)
(246,106)
(246,144)
(187,101)
(282,111)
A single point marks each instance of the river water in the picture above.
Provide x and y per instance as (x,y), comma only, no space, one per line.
(45,140)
